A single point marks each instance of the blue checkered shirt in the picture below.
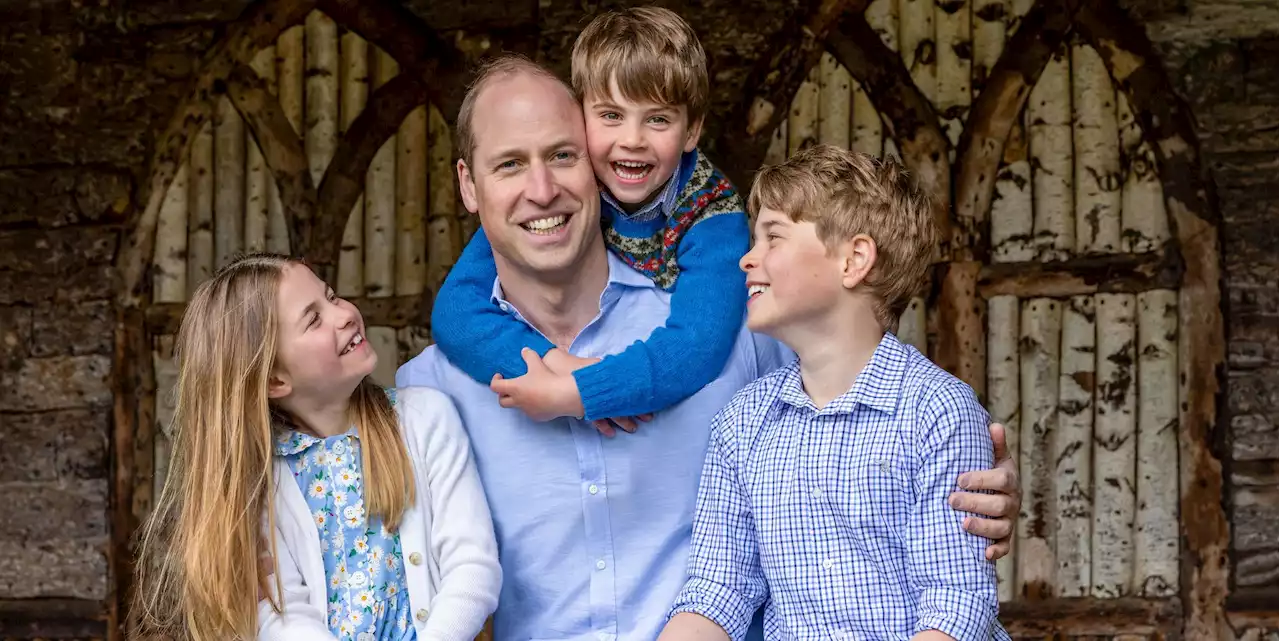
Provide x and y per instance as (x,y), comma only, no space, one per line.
(838,517)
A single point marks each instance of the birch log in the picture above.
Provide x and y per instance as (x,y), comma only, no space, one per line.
(1114,448)
(833,102)
(777,152)
(882,17)
(802,130)
(443,242)
(868,132)
(321,105)
(169,278)
(228,183)
(354,91)
(200,210)
(1012,228)
(1002,403)
(1143,217)
(915,37)
(166,373)
(256,176)
(383,342)
(912,325)
(277,232)
(1156,522)
(1073,449)
(1097,152)
(1049,129)
(954,47)
(989,18)
(411,204)
(290,88)
(1039,343)
(380,200)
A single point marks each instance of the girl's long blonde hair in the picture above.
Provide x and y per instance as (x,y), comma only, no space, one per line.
(198,572)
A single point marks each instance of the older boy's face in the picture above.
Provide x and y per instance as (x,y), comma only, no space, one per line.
(636,146)
(529,179)
(791,277)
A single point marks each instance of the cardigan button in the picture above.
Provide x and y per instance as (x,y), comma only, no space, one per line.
(415,558)
(422,614)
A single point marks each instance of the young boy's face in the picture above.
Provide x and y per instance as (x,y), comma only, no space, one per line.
(792,279)
(636,146)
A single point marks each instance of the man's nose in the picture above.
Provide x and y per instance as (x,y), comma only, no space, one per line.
(541,188)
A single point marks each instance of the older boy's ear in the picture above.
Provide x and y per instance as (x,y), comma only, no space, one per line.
(859,256)
(467,186)
(695,133)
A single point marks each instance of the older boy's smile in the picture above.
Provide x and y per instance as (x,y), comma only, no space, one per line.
(754,290)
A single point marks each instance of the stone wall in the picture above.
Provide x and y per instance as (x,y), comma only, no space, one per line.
(84,89)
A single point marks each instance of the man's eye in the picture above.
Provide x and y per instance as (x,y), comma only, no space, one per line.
(510,164)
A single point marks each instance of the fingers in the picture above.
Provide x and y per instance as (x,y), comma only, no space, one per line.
(998,550)
(1002,479)
(997,506)
(998,530)
(531,360)
(604,427)
(645,418)
(1000,441)
(627,424)
(507,401)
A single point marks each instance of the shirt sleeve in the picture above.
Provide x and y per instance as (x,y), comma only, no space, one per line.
(473,333)
(691,349)
(726,583)
(946,565)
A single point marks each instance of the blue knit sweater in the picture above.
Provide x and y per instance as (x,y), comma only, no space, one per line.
(692,250)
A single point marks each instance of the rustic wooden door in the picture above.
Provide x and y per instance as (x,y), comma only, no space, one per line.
(1067,293)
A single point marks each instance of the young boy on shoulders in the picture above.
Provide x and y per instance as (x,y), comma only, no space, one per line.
(824,492)
(641,75)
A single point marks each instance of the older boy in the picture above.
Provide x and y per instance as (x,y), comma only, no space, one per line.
(824,491)
(641,76)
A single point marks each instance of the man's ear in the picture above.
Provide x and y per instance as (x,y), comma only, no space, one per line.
(467,187)
(695,133)
(278,386)
(858,256)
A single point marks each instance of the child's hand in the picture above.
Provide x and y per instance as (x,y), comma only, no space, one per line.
(541,393)
(627,423)
(562,362)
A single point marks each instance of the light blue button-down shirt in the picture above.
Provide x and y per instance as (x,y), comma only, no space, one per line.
(593,532)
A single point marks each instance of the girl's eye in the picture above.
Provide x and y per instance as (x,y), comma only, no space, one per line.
(315,318)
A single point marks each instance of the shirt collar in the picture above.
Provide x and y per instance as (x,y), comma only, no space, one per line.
(876,387)
(290,441)
(620,275)
(662,206)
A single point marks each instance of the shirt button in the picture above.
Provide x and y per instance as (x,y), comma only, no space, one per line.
(593,489)
(504,307)
(827,564)
(415,558)
(600,564)
(817,494)
(422,614)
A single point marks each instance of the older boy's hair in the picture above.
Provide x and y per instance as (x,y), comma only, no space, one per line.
(652,53)
(846,193)
(507,64)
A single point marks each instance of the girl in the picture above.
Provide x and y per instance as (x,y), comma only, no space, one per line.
(284,449)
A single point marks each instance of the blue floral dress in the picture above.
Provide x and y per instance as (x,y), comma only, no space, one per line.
(368,599)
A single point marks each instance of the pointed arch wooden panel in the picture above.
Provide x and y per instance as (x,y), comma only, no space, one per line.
(1076,290)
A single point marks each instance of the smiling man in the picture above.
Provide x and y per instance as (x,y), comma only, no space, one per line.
(593,532)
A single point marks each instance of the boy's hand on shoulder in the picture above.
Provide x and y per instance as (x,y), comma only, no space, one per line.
(541,393)
(1002,505)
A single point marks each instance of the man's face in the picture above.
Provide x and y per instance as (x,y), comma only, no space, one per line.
(530,179)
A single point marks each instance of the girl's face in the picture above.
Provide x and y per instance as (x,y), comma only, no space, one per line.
(321,351)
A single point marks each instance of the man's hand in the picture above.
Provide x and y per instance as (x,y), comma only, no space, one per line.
(541,393)
(1002,506)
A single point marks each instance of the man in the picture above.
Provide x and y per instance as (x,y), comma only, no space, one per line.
(593,532)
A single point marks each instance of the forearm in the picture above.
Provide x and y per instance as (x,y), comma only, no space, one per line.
(475,335)
(687,626)
(932,635)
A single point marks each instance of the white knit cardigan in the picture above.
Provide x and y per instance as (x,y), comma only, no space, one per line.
(450,554)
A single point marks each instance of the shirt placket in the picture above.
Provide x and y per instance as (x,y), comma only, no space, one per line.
(820,432)
(593,483)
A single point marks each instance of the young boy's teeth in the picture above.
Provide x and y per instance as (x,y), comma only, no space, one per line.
(545,225)
(631,170)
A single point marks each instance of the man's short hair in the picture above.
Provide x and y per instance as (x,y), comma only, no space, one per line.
(846,193)
(653,54)
(502,66)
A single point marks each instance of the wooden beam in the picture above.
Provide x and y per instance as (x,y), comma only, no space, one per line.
(1168,125)
(260,25)
(282,148)
(1111,273)
(1087,616)
(740,145)
(131,370)
(1042,31)
(392,311)
(52,619)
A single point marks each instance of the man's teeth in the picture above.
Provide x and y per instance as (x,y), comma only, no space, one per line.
(355,342)
(545,225)
(631,169)
(756,289)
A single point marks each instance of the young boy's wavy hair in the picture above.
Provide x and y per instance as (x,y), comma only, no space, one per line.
(846,193)
(651,52)
(199,575)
